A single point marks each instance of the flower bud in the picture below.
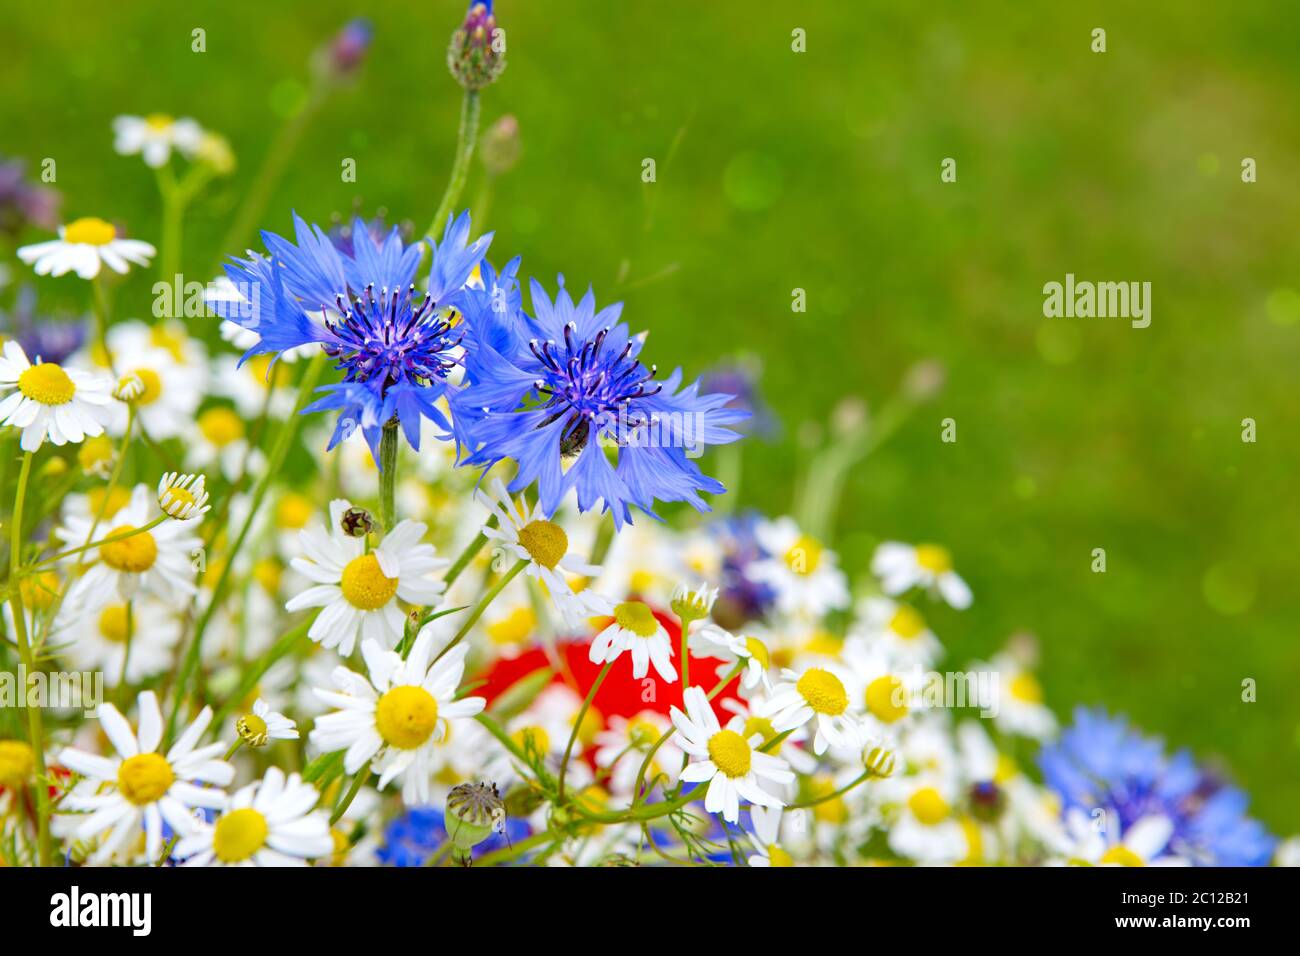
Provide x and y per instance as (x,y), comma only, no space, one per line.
(345,53)
(500,146)
(252,730)
(878,761)
(473,810)
(477,53)
(357,523)
(691,605)
(129,388)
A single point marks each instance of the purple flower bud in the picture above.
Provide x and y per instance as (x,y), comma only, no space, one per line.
(477,53)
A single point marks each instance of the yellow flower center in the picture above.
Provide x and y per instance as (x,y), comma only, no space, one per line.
(545,542)
(642,581)
(144,778)
(406,717)
(1122,856)
(886,700)
(39,590)
(221,426)
(804,555)
(823,691)
(182,495)
(95,452)
(778,857)
(514,628)
(267,571)
(102,502)
(171,337)
(933,558)
(730,752)
(152,385)
(158,121)
(133,555)
(758,650)
(928,806)
(17,763)
(239,834)
(365,585)
(1026,687)
(907,622)
(535,738)
(636,617)
(113,623)
(90,231)
(252,729)
(761,726)
(47,383)
(293,511)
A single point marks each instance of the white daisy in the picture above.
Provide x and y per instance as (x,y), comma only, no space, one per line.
(726,759)
(140,785)
(94,636)
(621,749)
(804,574)
(264,725)
(222,440)
(268,823)
(900,630)
(927,830)
(901,567)
(82,247)
(887,688)
(172,367)
(49,401)
(358,589)
(532,537)
(1020,706)
(1103,842)
(817,695)
(393,718)
(765,837)
(709,640)
(159,561)
(182,496)
(635,628)
(155,136)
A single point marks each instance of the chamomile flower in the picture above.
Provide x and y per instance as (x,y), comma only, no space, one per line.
(804,574)
(901,567)
(222,440)
(139,785)
(622,747)
(359,589)
(900,631)
(264,725)
(96,637)
(927,829)
(183,497)
(816,696)
(765,836)
(153,137)
(49,401)
(635,628)
(732,649)
(1105,842)
(532,537)
(83,246)
(157,561)
(1020,706)
(394,717)
(886,687)
(728,761)
(268,823)
(172,375)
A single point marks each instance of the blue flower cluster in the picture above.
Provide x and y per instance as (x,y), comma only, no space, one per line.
(1100,762)
(561,391)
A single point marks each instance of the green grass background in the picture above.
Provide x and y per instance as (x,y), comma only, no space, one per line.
(820,170)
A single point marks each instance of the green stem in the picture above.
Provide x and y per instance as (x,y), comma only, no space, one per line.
(362,776)
(830,796)
(388,475)
(466,138)
(173,215)
(255,671)
(288,432)
(468,554)
(483,605)
(35,729)
(121,536)
(577,726)
(99,305)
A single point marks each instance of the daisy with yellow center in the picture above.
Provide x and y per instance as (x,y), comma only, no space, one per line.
(709,640)
(901,567)
(1020,708)
(182,496)
(221,440)
(726,759)
(49,401)
(142,556)
(272,822)
(153,137)
(803,573)
(94,637)
(263,725)
(635,628)
(765,836)
(530,536)
(1144,842)
(622,746)
(83,246)
(138,786)
(818,697)
(359,589)
(394,717)
(899,630)
(927,830)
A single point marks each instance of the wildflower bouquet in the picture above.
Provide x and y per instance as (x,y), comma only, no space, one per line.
(377,554)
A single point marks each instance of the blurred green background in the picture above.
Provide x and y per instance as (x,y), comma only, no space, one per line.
(820,171)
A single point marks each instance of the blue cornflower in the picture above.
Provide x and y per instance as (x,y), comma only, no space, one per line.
(394,346)
(416,835)
(564,394)
(1101,763)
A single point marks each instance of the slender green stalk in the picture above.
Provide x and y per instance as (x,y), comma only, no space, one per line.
(388,475)
(173,203)
(274,463)
(35,728)
(830,796)
(120,536)
(253,673)
(577,725)
(362,776)
(468,554)
(483,605)
(126,652)
(99,306)
(466,139)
